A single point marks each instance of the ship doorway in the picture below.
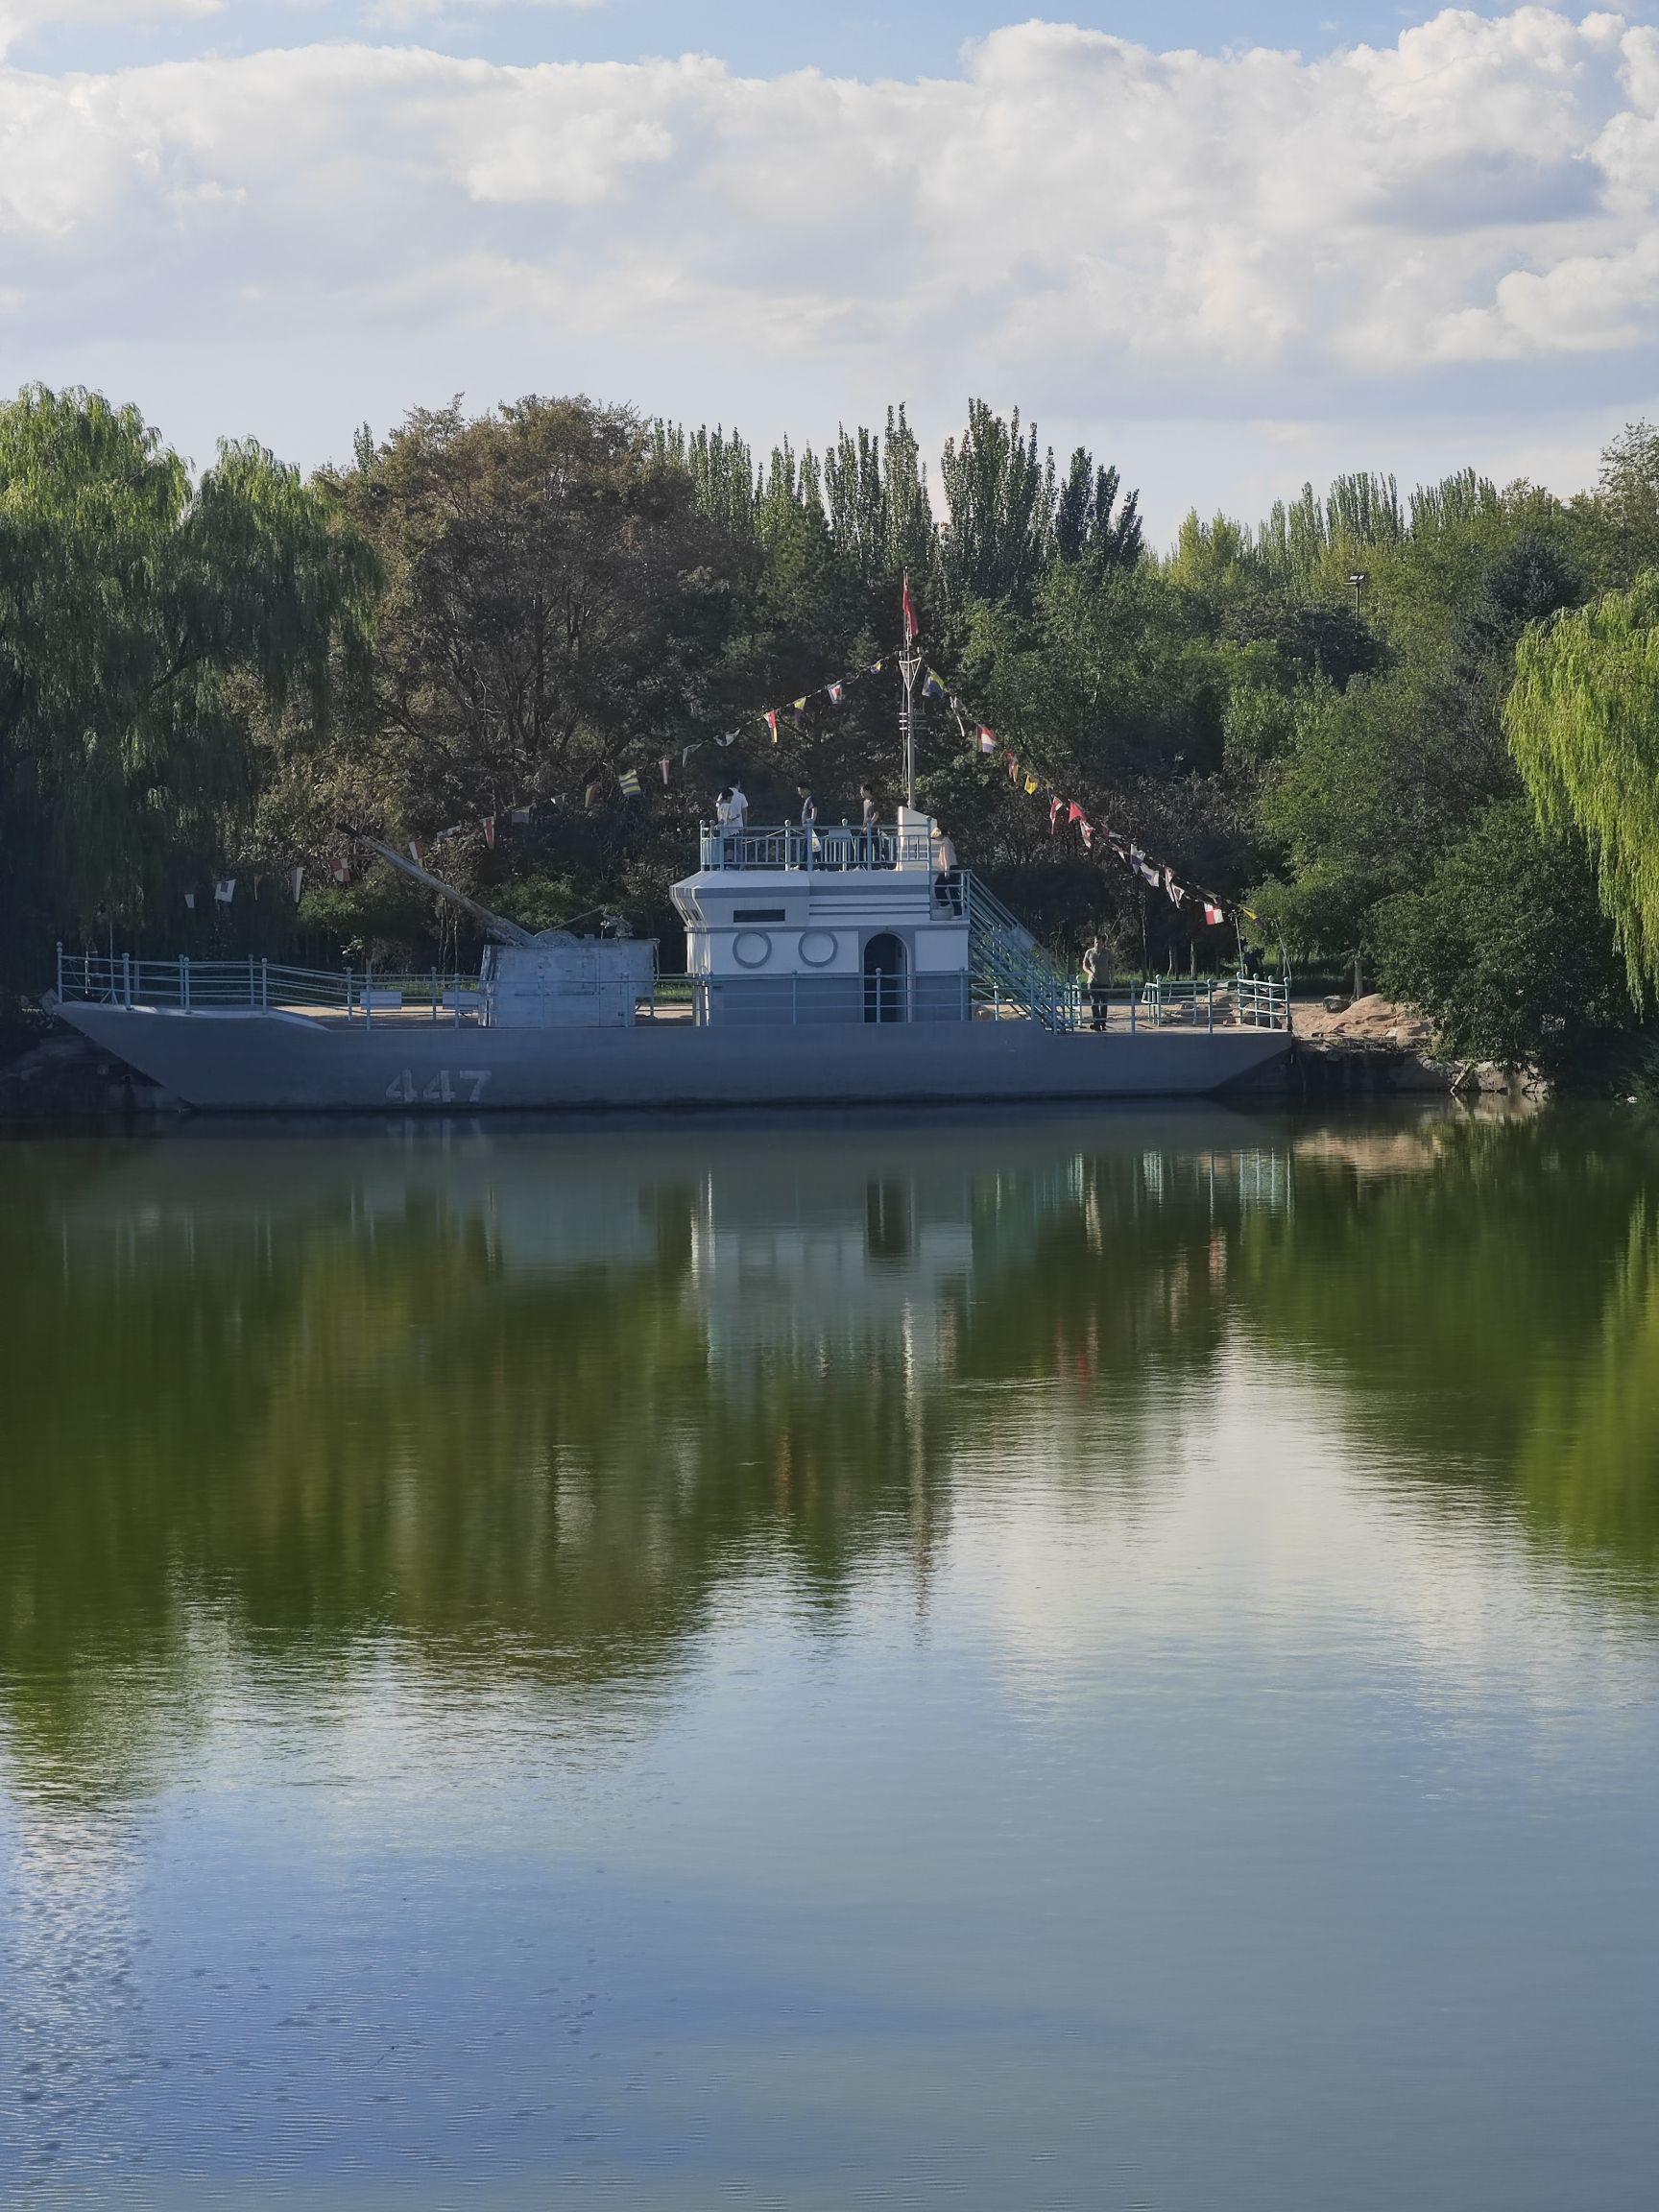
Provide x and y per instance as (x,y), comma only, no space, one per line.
(884,992)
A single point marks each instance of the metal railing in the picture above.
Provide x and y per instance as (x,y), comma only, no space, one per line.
(1008,965)
(1214,1002)
(189,986)
(833,849)
(836,1001)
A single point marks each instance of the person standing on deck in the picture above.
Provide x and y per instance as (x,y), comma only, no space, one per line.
(739,808)
(1096,975)
(808,823)
(723,820)
(871,819)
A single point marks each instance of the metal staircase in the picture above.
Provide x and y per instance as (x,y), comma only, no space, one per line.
(1008,966)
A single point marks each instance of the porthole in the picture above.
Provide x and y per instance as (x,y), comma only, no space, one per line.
(751,948)
(818,948)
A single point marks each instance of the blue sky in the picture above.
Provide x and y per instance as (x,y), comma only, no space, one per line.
(916,39)
(1228,246)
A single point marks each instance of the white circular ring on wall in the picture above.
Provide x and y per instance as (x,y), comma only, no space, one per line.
(751,948)
(818,948)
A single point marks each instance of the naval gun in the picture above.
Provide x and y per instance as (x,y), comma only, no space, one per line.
(548,978)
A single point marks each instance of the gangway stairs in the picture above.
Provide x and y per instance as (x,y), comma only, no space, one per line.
(1008,966)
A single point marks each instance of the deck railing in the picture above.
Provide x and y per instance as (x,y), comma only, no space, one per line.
(189,986)
(1214,1002)
(1008,980)
(831,848)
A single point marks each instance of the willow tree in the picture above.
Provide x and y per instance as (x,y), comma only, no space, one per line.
(1583,722)
(146,623)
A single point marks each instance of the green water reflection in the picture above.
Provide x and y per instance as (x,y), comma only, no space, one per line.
(525,1403)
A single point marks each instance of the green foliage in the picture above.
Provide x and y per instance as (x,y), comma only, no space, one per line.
(1583,720)
(1506,949)
(212,676)
(146,624)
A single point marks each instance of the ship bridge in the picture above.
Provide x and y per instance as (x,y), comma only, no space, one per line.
(808,924)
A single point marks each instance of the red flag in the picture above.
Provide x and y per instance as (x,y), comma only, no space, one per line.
(987,740)
(1214,915)
(1085,830)
(487,826)
(912,628)
(1054,806)
(1013,769)
(1075,814)
(772,721)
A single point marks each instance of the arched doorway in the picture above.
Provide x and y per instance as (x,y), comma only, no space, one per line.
(885,994)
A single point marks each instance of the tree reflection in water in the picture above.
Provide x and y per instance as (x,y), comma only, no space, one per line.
(526,1404)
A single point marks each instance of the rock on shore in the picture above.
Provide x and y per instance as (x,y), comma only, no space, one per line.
(1375,1043)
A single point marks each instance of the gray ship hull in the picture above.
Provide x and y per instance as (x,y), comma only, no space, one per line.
(245,1062)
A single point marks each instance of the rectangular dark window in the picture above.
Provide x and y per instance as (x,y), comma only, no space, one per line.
(759,914)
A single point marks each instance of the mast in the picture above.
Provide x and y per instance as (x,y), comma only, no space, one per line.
(910,666)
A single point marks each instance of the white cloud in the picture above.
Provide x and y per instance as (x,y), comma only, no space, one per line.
(1104,232)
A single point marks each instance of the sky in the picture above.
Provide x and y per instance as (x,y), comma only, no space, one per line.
(1230,245)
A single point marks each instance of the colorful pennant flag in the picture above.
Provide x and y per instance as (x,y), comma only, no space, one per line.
(836,693)
(296,882)
(771,724)
(912,628)
(629,780)
(1085,830)
(663,767)
(416,850)
(190,901)
(487,826)
(1056,806)
(987,740)
(1213,914)
(519,817)
(340,872)
(225,891)
(1032,786)
(931,688)
(1073,813)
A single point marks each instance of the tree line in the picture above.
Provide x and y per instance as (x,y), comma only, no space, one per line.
(1414,729)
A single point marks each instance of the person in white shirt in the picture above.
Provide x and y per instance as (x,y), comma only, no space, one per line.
(739,807)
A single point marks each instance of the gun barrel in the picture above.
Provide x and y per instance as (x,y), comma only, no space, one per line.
(495,926)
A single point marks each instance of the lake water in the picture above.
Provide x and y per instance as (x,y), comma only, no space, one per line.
(1077,1663)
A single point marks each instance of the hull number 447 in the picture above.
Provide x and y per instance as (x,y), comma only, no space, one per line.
(457,1087)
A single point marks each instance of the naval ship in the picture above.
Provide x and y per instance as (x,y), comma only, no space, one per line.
(824,968)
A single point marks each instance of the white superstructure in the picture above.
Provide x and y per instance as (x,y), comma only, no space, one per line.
(826,925)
